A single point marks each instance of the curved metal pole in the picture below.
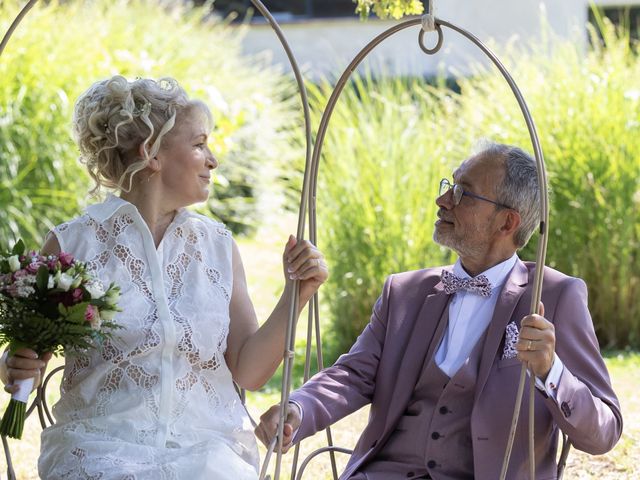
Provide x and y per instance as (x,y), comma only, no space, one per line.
(15,24)
(542,184)
(289,346)
(312,455)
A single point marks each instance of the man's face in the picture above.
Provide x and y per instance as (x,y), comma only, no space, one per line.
(469,227)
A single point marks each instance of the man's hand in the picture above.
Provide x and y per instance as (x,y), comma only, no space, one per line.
(537,343)
(268,427)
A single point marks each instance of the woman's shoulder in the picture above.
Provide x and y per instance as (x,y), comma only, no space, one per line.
(80,220)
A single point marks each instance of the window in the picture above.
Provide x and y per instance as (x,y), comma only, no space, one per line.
(626,16)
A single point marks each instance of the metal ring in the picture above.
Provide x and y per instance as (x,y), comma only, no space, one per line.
(424,48)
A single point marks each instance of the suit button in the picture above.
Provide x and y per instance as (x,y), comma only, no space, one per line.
(435,435)
(566,410)
(431,464)
(444,410)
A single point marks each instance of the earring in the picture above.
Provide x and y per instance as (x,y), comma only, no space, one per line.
(149,177)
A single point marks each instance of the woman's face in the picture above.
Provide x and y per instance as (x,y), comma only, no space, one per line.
(186,161)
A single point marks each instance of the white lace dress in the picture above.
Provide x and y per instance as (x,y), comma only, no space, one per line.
(157,401)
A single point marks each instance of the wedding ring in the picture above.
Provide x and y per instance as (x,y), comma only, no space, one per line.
(529,345)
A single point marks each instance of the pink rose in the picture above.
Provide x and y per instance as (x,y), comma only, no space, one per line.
(77,295)
(66,259)
(33,267)
(92,315)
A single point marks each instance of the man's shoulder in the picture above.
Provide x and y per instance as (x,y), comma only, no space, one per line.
(552,277)
(422,279)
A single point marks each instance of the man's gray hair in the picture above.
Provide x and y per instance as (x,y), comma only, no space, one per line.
(519,188)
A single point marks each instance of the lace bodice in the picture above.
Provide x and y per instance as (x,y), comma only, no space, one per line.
(161,382)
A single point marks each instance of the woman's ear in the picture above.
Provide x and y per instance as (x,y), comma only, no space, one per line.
(154,164)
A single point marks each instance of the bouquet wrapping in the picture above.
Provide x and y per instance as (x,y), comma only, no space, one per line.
(49,304)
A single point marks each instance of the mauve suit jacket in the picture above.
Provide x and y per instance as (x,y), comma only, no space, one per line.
(385,362)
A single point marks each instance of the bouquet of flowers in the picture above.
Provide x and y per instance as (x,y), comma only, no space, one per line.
(49,304)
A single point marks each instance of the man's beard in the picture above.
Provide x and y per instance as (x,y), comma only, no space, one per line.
(463,247)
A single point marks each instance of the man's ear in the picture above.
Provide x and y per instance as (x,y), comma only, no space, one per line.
(511,222)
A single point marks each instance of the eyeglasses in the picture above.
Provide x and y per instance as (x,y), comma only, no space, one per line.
(458,192)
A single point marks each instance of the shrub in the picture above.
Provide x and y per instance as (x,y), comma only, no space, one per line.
(62,47)
(390,142)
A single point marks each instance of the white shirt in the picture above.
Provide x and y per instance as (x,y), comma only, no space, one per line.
(469,317)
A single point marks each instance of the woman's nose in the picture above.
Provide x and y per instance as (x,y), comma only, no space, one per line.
(212,162)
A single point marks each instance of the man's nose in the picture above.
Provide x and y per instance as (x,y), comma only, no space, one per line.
(445,200)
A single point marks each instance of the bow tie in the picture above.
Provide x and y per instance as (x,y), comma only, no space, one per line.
(479,285)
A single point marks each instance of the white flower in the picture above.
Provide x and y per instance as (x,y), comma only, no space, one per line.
(14,263)
(24,291)
(107,315)
(96,322)
(95,289)
(64,281)
(50,282)
(76,282)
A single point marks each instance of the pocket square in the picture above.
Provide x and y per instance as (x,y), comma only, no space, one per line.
(510,339)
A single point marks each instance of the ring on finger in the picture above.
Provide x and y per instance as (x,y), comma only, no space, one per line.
(529,345)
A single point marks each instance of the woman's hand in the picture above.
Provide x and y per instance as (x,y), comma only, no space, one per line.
(24,363)
(304,262)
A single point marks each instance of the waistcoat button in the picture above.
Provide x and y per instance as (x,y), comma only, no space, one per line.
(431,464)
(444,410)
(435,435)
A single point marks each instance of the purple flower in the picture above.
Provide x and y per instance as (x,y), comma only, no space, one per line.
(66,259)
(33,267)
(77,295)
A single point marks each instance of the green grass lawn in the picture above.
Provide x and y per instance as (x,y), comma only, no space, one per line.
(263,265)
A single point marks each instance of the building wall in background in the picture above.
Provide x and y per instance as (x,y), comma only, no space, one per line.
(324,46)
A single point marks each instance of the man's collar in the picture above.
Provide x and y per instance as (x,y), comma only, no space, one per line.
(497,274)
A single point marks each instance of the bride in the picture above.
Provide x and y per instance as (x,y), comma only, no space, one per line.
(157,401)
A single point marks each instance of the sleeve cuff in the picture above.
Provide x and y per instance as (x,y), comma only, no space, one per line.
(550,385)
(296,405)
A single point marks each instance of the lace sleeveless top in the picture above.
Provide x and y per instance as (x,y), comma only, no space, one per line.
(157,400)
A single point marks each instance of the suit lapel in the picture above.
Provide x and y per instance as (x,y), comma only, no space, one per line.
(512,290)
(421,341)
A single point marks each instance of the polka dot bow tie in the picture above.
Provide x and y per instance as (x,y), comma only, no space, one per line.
(479,285)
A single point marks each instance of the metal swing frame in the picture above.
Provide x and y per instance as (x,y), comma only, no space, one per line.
(308,203)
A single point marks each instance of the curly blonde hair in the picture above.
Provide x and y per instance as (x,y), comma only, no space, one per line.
(115,117)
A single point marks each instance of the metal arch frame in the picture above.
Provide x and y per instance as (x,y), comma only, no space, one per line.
(308,197)
(542,184)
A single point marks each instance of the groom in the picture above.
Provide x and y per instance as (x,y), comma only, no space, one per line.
(440,359)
